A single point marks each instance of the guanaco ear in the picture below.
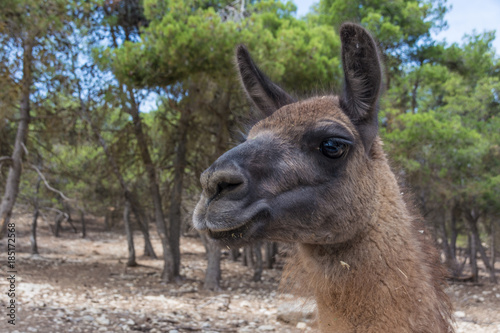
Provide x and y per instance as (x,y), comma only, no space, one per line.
(363,79)
(267,96)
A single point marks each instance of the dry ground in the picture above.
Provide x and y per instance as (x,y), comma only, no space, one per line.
(82,285)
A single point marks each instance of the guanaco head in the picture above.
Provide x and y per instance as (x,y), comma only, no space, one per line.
(306,172)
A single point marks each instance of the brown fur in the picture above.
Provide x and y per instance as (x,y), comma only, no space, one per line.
(394,280)
(369,267)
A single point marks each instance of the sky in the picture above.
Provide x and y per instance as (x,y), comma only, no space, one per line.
(463,18)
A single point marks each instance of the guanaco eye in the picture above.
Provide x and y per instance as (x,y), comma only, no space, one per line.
(333,147)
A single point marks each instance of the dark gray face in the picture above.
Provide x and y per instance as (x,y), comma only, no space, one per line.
(275,179)
(304,170)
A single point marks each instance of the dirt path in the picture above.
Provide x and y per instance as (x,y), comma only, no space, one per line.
(82,285)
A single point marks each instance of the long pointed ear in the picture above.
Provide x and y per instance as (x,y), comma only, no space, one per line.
(267,96)
(363,79)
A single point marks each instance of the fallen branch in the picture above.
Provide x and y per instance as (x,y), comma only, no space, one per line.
(66,216)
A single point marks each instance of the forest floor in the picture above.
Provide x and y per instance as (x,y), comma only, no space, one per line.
(82,285)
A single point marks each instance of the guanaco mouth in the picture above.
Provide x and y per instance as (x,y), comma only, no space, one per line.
(240,227)
(243,232)
(232,234)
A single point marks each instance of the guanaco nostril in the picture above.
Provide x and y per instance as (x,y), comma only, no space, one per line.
(227,187)
(228,182)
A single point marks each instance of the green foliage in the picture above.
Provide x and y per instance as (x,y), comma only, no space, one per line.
(396,24)
(447,142)
(191,38)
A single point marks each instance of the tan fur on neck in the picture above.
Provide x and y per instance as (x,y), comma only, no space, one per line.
(381,281)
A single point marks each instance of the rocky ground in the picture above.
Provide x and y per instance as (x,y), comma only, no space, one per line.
(82,285)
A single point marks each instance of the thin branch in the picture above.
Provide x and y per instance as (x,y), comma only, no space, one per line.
(48,186)
(4,158)
(66,217)
(25,149)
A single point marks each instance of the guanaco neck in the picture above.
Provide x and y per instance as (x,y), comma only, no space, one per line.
(379,282)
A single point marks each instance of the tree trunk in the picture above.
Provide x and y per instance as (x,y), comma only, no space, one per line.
(248,253)
(82,221)
(258,267)
(472,218)
(168,273)
(142,221)
(473,258)
(130,236)
(106,221)
(486,261)
(66,212)
(492,244)
(450,261)
(34,245)
(466,256)
(68,219)
(176,196)
(244,258)
(234,254)
(144,226)
(57,228)
(213,272)
(15,169)
(270,250)
(455,215)
(221,109)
